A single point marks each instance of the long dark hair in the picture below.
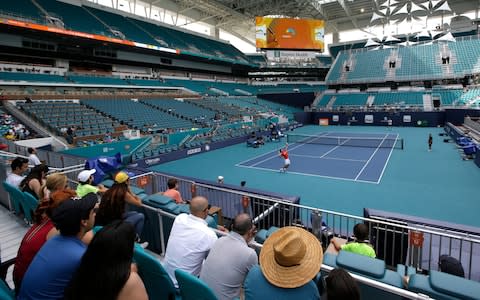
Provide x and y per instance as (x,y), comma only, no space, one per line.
(112,205)
(341,286)
(105,266)
(35,173)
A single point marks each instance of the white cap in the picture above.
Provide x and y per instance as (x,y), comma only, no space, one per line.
(85,174)
(220,177)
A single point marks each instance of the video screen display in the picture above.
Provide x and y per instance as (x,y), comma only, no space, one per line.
(286,33)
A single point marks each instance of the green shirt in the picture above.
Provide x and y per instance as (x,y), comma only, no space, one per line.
(83,189)
(360,248)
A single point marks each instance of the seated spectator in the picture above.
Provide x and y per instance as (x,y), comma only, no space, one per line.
(361,245)
(190,240)
(114,204)
(33,159)
(173,192)
(85,179)
(35,179)
(446,264)
(289,259)
(53,266)
(450,265)
(225,273)
(106,270)
(19,166)
(340,285)
(43,229)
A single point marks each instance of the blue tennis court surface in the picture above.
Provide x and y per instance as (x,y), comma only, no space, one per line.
(333,155)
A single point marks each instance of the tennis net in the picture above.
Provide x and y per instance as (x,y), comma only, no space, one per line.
(367,142)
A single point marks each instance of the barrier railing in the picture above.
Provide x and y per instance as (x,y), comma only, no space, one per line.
(164,217)
(391,239)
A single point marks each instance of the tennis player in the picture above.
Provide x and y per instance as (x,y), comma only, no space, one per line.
(284,153)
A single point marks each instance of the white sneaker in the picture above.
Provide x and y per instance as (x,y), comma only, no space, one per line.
(144,245)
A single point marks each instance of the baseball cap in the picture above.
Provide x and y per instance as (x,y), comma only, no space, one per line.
(69,213)
(85,174)
(121,177)
(220,177)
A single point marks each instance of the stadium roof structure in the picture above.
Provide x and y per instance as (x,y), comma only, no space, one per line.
(237,16)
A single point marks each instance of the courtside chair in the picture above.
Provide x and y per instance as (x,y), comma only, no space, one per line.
(14,198)
(192,288)
(157,281)
(6,293)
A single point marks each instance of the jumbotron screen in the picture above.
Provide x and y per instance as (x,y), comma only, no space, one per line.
(285,33)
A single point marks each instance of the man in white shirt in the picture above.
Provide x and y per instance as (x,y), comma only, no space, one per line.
(19,166)
(190,240)
(33,158)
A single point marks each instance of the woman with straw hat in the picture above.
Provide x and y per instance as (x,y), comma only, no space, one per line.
(290,258)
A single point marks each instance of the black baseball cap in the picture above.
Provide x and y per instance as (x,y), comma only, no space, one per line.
(68,215)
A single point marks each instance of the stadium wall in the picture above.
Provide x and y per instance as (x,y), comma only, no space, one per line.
(293,99)
(430,119)
(456,116)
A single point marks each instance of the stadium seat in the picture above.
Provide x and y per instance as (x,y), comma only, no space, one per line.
(156,279)
(192,288)
(368,267)
(444,286)
(16,198)
(29,205)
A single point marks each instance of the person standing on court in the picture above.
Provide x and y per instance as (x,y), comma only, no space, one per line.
(430,141)
(284,154)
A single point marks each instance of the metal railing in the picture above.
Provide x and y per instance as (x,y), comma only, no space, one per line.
(390,238)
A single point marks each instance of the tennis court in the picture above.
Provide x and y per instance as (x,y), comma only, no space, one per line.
(437,185)
(351,156)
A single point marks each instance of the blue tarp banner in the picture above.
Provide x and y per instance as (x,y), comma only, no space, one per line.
(104,166)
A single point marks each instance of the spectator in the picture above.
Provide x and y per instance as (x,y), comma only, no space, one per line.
(173,192)
(289,259)
(190,240)
(225,274)
(43,229)
(53,266)
(114,202)
(341,286)
(19,167)
(450,265)
(32,157)
(85,179)
(35,179)
(361,245)
(106,270)
(220,179)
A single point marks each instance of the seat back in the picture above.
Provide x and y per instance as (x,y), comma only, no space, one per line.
(192,288)
(444,286)
(29,205)
(14,200)
(5,292)
(156,279)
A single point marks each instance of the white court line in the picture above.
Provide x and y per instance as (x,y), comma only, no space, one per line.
(269,158)
(336,147)
(333,158)
(273,151)
(371,156)
(310,175)
(388,159)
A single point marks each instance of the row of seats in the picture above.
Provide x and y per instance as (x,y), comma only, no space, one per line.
(96,21)
(423,61)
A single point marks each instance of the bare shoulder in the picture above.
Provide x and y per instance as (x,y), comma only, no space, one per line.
(133,289)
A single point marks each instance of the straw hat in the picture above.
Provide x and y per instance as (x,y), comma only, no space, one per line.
(291,257)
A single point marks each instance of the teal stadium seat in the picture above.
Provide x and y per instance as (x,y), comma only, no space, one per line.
(16,198)
(443,286)
(368,267)
(29,205)
(157,281)
(192,288)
